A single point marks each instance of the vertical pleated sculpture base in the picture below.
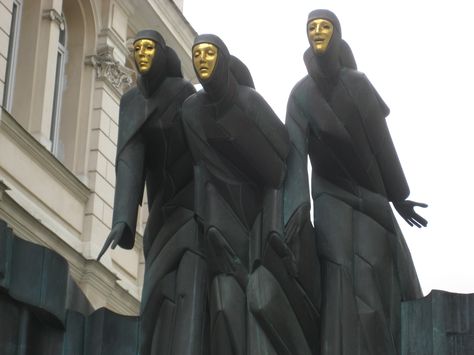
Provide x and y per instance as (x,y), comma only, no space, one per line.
(441,323)
(43,311)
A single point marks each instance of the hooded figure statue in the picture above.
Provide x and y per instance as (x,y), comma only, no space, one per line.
(240,147)
(152,151)
(335,115)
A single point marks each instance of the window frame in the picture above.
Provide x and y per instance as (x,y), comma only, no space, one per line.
(59,84)
(15,26)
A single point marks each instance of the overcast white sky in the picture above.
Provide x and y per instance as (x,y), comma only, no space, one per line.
(419,55)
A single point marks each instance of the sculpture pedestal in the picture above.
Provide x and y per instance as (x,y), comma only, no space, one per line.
(441,323)
(43,311)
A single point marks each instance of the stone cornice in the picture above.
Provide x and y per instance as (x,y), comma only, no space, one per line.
(104,281)
(3,188)
(38,230)
(127,6)
(87,273)
(175,21)
(44,157)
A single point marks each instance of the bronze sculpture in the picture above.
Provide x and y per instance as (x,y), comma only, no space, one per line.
(152,150)
(335,116)
(239,147)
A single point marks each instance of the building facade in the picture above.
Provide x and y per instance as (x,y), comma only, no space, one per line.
(64,65)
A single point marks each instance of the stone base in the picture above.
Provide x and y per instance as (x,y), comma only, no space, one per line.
(43,311)
(441,323)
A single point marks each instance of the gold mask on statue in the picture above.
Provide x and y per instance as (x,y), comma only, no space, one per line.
(144,50)
(204,59)
(319,34)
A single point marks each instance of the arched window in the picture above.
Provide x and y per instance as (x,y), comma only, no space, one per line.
(12,55)
(56,148)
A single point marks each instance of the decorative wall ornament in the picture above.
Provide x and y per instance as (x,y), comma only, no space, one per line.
(109,69)
(55,16)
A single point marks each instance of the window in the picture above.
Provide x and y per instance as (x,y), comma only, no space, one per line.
(12,56)
(58,92)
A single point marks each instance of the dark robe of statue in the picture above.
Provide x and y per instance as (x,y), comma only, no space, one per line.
(336,116)
(239,147)
(152,151)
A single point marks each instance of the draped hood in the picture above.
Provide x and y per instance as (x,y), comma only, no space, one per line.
(326,64)
(228,73)
(165,63)
(325,68)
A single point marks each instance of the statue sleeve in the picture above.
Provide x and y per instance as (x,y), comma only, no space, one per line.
(373,113)
(187,91)
(296,190)
(130,180)
(275,137)
(198,147)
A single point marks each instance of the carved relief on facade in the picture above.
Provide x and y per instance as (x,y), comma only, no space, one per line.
(110,70)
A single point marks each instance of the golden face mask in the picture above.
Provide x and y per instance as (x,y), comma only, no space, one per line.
(144,50)
(319,34)
(204,59)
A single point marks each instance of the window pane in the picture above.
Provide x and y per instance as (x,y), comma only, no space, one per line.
(12,46)
(56,99)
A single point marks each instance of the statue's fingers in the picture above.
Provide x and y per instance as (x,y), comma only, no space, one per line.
(420,204)
(104,248)
(115,242)
(415,222)
(420,220)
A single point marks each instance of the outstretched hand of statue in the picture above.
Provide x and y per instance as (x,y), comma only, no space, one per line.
(406,209)
(114,237)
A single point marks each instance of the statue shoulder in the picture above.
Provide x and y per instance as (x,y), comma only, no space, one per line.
(181,82)
(303,85)
(362,91)
(130,94)
(193,103)
(306,86)
(198,98)
(177,85)
(250,101)
(352,77)
(246,93)
(303,92)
